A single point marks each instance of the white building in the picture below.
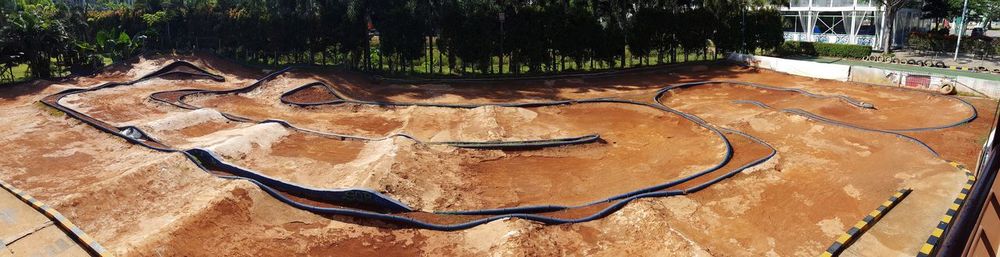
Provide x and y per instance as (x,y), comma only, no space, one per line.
(856,22)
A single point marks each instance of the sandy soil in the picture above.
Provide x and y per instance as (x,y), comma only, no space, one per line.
(139,202)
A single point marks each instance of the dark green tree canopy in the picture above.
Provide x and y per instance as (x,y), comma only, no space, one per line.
(387,35)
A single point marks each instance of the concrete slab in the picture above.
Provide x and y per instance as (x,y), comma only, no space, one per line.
(18,219)
(49,241)
(27,231)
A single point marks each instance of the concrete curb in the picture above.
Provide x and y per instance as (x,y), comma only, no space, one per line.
(862,226)
(930,246)
(87,242)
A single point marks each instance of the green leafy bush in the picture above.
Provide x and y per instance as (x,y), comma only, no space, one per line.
(823,49)
(937,42)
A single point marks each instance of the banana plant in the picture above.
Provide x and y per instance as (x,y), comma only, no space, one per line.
(115,45)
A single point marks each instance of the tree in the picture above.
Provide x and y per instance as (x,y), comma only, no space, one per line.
(694,38)
(402,29)
(762,36)
(35,31)
(542,35)
(937,10)
(644,31)
(987,10)
(576,41)
(891,7)
(469,33)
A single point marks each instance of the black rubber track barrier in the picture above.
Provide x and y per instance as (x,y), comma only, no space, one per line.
(366,203)
(972,109)
(176,98)
(180,95)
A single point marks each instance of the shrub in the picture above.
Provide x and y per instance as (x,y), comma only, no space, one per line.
(938,42)
(823,49)
(919,43)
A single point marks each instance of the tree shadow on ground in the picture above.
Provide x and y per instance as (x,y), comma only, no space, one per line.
(363,87)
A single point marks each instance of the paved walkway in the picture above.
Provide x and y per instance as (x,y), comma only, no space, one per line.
(964,60)
(902,67)
(27,231)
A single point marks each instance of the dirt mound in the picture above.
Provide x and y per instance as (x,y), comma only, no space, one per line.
(312,94)
(138,202)
(185,119)
(486,123)
(236,144)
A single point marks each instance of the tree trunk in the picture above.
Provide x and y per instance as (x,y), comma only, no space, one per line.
(430,55)
(40,66)
(887,29)
(500,64)
(623,60)
(451,64)
(511,66)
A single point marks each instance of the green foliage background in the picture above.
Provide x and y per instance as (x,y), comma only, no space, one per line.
(390,36)
(792,48)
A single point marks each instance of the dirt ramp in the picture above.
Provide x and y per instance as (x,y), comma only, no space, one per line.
(486,123)
(826,175)
(184,120)
(238,143)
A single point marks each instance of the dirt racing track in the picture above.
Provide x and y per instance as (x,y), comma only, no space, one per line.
(736,161)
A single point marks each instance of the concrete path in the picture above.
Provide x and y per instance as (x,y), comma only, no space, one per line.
(26,231)
(964,59)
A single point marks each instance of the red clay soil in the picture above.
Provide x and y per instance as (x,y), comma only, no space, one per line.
(313,94)
(887,115)
(433,178)
(139,202)
(963,145)
(875,158)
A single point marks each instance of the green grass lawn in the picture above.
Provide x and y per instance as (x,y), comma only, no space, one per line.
(440,62)
(21,72)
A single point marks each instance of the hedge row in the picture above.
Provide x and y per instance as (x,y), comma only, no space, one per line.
(823,49)
(933,42)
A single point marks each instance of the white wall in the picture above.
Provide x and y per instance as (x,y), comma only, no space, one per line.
(869,75)
(837,72)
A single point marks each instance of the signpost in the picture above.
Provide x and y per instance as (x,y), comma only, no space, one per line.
(961,27)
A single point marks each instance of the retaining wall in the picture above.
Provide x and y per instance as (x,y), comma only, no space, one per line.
(990,88)
(837,72)
(870,75)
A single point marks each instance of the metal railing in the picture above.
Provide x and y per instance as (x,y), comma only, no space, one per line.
(829,3)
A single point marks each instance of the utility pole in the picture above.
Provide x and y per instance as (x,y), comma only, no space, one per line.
(961,28)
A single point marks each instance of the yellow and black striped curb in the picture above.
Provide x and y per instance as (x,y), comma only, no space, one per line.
(928,248)
(72,230)
(859,228)
(975,69)
(962,68)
